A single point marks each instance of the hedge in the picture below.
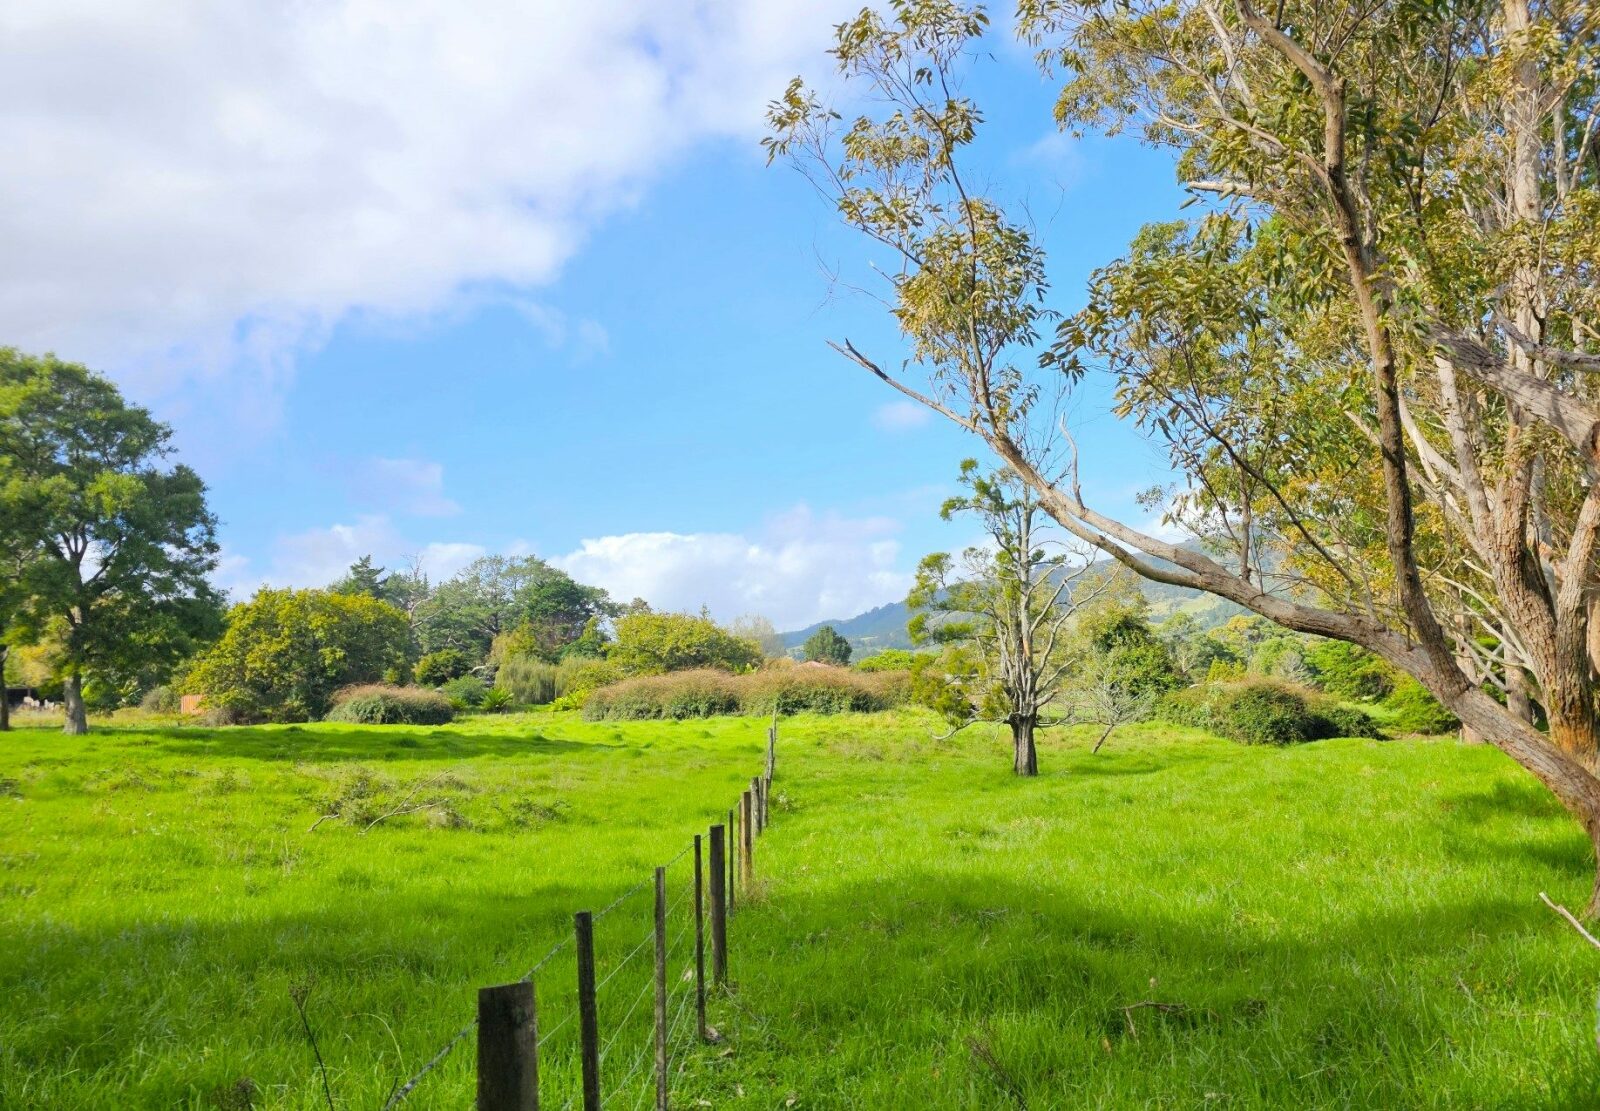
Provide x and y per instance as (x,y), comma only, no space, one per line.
(706,692)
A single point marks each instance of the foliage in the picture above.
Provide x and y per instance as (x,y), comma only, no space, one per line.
(527,681)
(465,692)
(1346,671)
(576,678)
(826,646)
(379,704)
(655,643)
(437,668)
(160,700)
(496,700)
(1414,710)
(285,653)
(707,692)
(890,659)
(362,578)
(753,626)
(119,543)
(1262,711)
(496,595)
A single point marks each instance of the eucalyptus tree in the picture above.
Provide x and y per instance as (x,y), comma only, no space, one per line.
(1000,610)
(120,544)
(1371,346)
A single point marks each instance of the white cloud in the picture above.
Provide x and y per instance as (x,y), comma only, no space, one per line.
(195,192)
(414,486)
(900,416)
(802,568)
(318,556)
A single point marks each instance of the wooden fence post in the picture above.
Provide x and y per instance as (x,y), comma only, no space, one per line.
(747,842)
(508,1048)
(732,853)
(699,943)
(661,989)
(719,907)
(588,1018)
(772,751)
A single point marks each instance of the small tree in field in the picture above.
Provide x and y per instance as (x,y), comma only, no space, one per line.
(119,545)
(1000,612)
(827,646)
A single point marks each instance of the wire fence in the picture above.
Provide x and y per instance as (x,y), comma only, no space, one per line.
(616,1025)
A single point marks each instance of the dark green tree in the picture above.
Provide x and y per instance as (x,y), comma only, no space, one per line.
(363,578)
(125,541)
(826,646)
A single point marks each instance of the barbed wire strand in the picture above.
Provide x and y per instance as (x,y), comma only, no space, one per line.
(405,1090)
(622,1025)
(548,957)
(637,949)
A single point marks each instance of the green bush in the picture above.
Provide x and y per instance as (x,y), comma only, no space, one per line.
(708,692)
(437,668)
(1414,710)
(465,692)
(376,704)
(496,701)
(160,700)
(1265,712)
(1348,721)
(577,677)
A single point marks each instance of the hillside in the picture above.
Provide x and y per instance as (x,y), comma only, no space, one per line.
(885,626)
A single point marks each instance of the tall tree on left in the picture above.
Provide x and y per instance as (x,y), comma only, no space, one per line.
(123,540)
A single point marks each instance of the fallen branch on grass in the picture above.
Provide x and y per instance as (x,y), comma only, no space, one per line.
(405,806)
(1567,914)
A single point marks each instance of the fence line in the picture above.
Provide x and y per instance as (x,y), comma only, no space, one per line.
(507,1020)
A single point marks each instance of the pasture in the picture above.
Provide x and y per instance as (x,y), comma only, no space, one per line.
(1177,921)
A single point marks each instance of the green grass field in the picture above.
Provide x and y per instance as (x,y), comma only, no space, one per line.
(1343,924)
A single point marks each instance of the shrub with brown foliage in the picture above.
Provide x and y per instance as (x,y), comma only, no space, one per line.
(707,692)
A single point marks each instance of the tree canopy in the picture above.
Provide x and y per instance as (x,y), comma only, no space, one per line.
(286,652)
(115,545)
(826,646)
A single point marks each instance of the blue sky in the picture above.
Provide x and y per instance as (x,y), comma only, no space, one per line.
(602,339)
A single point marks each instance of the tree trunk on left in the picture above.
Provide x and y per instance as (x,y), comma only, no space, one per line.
(5,691)
(1025,758)
(77,716)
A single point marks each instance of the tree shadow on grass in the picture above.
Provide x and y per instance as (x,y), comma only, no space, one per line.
(385,743)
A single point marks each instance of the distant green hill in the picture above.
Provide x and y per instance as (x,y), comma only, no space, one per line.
(885,626)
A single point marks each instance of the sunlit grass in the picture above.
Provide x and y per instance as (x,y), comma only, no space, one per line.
(1343,924)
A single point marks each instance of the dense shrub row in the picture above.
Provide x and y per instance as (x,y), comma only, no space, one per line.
(376,704)
(1265,712)
(707,692)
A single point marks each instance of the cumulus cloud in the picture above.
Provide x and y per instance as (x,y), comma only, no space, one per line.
(195,192)
(414,486)
(802,567)
(318,556)
(900,416)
